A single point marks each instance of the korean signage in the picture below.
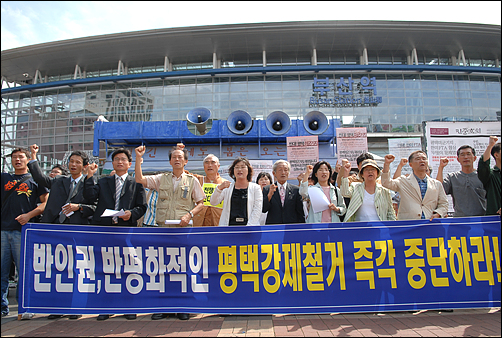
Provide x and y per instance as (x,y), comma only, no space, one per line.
(301,268)
(402,148)
(350,143)
(344,92)
(444,138)
(302,150)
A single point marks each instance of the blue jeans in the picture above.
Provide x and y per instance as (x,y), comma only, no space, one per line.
(10,251)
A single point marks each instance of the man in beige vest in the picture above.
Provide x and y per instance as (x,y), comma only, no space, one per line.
(210,215)
(180,194)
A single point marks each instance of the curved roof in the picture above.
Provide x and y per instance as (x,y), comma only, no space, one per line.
(237,42)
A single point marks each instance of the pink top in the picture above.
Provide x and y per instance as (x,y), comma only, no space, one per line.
(326,214)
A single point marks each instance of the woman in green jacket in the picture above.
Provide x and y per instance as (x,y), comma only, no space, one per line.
(369,201)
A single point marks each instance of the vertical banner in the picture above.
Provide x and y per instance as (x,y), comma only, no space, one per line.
(402,148)
(350,143)
(302,150)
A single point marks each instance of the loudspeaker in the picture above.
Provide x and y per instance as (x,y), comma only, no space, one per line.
(239,122)
(278,122)
(315,122)
(199,117)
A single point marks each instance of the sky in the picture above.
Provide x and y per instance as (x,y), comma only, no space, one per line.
(27,23)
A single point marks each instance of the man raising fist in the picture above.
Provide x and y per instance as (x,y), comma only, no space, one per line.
(422,197)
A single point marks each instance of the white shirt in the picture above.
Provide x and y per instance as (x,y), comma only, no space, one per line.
(123,177)
(283,185)
(367,210)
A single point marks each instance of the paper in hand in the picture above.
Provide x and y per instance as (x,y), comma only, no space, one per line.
(112,213)
(318,200)
(70,213)
(176,222)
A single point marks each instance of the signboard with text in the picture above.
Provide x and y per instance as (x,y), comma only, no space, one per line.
(297,268)
(444,138)
(350,143)
(302,150)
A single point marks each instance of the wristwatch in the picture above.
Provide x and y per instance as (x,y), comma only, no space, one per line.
(80,208)
(190,214)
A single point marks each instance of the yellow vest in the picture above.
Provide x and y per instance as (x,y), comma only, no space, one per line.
(172,205)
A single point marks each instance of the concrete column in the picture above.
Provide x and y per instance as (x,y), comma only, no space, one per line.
(166,64)
(314,57)
(215,61)
(264,59)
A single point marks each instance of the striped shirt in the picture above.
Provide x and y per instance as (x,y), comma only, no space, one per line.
(423,189)
(149,218)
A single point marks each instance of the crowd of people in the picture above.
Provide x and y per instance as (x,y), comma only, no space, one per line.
(177,198)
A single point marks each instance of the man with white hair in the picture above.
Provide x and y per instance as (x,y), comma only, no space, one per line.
(209,215)
(282,200)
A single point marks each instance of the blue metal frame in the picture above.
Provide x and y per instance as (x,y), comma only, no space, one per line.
(263,70)
(129,134)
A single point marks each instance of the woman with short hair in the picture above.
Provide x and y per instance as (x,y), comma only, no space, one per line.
(263,180)
(242,199)
(321,174)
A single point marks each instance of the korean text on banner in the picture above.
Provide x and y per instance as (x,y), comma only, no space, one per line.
(350,143)
(302,151)
(297,268)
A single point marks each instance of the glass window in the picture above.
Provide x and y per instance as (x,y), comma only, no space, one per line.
(427,93)
(464,102)
(479,95)
(494,103)
(395,93)
(431,102)
(413,93)
(448,102)
(397,102)
(256,96)
(273,82)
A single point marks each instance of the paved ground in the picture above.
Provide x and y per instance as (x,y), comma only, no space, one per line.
(467,323)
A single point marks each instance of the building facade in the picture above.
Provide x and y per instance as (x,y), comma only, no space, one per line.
(388,77)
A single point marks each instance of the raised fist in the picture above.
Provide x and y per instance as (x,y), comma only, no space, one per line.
(443,162)
(493,140)
(403,162)
(140,151)
(224,185)
(91,169)
(389,158)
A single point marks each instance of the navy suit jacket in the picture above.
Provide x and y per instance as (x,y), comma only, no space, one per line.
(133,198)
(291,212)
(59,189)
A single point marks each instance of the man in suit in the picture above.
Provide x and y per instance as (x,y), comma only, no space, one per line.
(282,200)
(422,197)
(116,192)
(66,203)
(132,195)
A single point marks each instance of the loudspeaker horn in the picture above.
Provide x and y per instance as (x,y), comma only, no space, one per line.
(315,122)
(199,117)
(278,122)
(239,122)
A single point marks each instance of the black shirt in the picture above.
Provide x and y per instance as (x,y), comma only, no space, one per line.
(239,207)
(21,201)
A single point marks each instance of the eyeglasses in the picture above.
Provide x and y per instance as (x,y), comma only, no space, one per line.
(120,159)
